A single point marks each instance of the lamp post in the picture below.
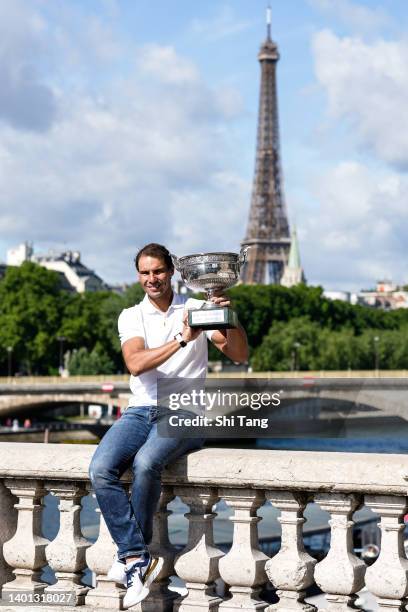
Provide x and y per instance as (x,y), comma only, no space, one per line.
(296,346)
(376,353)
(9,360)
(61,340)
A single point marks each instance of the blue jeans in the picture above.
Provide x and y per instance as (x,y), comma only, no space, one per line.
(133,441)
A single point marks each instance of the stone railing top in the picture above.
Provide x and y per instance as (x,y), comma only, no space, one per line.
(227,467)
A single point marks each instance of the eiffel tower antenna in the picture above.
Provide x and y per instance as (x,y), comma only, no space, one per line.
(268,228)
(268,23)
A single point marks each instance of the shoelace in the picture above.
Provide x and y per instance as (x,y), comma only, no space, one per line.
(136,567)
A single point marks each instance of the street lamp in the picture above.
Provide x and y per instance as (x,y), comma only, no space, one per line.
(61,340)
(296,346)
(376,353)
(9,360)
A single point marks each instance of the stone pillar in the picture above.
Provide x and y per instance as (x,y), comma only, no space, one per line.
(160,598)
(99,558)
(66,554)
(197,565)
(341,573)
(291,569)
(387,578)
(8,524)
(243,567)
(25,552)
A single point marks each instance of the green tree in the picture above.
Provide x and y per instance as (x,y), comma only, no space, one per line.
(133,295)
(338,350)
(288,346)
(91,318)
(84,362)
(31,306)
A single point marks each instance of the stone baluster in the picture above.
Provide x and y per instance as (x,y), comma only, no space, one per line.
(66,553)
(160,598)
(341,573)
(243,566)
(197,565)
(25,552)
(387,578)
(99,558)
(291,569)
(8,524)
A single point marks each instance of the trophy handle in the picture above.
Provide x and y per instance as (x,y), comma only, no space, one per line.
(243,254)
(175,260)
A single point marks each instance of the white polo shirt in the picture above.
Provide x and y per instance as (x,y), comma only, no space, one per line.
(156,328)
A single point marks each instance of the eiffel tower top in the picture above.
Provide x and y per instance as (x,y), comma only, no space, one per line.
(268,228)
(269,49)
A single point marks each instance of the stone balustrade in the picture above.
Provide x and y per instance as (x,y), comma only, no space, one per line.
(339,483)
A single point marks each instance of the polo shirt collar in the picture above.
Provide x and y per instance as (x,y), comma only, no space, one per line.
(149,308)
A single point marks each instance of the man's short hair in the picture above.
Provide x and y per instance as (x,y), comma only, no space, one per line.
(155,250)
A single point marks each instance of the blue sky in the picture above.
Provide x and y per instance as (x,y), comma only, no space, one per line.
(129,121)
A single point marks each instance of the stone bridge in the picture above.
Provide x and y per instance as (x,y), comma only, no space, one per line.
(35,397)
(355,396)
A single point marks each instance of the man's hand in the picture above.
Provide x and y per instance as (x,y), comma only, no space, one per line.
(189,333)
(221,300)
(232,342)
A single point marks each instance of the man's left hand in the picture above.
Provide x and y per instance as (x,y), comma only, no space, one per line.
(221,300)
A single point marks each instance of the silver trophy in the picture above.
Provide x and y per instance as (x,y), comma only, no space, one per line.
(212,273)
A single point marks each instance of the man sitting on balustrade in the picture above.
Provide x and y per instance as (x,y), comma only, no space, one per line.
(156,342)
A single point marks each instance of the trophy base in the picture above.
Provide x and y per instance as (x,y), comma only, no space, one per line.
(213,318)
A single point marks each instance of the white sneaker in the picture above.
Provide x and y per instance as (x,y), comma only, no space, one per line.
(117,572)
(140,576)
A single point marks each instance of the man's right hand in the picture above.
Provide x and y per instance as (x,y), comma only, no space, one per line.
(189,333)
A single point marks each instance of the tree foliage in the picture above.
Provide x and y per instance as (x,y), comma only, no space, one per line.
(31,304)
(35,314)
(87,363)
(303,344)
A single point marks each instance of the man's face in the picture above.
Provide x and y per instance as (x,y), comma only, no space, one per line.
(154,276)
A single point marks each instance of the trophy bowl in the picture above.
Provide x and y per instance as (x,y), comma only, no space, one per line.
(212,273)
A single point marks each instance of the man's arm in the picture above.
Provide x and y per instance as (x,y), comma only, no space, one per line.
(232,342)
(138,359)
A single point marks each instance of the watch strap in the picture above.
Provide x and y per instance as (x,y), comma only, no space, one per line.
(180,340)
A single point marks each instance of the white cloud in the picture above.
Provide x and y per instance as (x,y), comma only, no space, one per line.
(26,101)
(213,217)
(166,65)
(367,84)
(360,226)
(360,218)
(356,16)
(124,161)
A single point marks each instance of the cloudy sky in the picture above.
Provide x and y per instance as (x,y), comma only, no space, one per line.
(129,121)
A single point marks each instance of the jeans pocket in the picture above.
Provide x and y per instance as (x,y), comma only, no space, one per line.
(153,415)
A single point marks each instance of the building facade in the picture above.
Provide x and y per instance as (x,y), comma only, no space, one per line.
(75,275)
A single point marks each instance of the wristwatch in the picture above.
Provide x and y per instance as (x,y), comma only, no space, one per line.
(180,340)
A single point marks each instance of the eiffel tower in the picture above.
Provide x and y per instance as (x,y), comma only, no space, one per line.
(268,232)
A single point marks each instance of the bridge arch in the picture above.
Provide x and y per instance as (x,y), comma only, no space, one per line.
(16,404)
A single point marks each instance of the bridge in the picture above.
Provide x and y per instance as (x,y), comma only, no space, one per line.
(355,394)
